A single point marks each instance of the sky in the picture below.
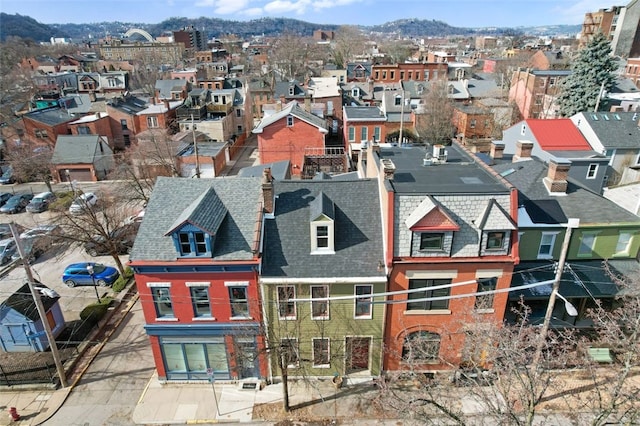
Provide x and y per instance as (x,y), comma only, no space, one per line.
(460,13)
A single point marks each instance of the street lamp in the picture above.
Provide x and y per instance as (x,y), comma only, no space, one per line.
(571,310)
(93,280)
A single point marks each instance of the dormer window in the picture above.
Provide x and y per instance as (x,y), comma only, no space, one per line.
(431,241)
(322,225)
(495,240)
(194,244)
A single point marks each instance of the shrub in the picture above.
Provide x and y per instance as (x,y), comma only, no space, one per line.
(96,311)
(122,280)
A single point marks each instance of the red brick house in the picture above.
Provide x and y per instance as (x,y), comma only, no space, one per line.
(44,126)
(196,259)
(290,134)
(444,247)
(395,73)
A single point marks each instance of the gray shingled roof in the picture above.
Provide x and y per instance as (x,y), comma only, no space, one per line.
(613,129)
(579,203)
(295,110)
(358,233)
(359,113)
(170,199)
(75,149)
(51,116)
(279,170)
(22,301)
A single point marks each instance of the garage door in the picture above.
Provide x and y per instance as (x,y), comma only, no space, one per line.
(79,175)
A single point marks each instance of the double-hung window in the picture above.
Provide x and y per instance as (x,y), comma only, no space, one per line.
(321,352)
(319,302)
(364,131)
(200,301)
(485,301)
(421,346)
(352,134)
(162,301)
(547,241)
(152,121)
(624,241)
(592,171)
(193,244)
(586,244)
(416,304)
(286,306)
(239,301)
(363,301)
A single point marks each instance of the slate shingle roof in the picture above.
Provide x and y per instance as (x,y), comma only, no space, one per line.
(358,234)
(579,203)
(613,129)
(171,197)
(75,149)
(22,302)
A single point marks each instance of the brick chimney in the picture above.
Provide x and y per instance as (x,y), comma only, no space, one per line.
(556,179)
(389,169)
(523,151)
(267,190)
(497,149)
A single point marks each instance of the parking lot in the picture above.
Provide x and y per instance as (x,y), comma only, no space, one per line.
(49,267)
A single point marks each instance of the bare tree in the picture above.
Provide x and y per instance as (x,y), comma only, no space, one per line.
(30,163)
(96,224)
(154,155)
(434,120)
(614,391)
(349,41)
(292,54)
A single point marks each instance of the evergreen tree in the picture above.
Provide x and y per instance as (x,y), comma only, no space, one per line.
(592,71)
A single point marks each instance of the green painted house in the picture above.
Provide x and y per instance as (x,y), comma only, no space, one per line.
(548,198)
(322,267)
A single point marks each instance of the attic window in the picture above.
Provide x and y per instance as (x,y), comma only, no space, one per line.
(398,100)
(322,238)
(194,244)
(291,91)
(289,120)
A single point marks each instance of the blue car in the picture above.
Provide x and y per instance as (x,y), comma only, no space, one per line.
(89,273)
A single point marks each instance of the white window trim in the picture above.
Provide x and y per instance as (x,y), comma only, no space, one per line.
(320,299)
(595,171)
(295,305)
(553,243)
(313,352)
(330,249)
(198,284)
(236,283)
(624,252)
(355,301)
(158,284)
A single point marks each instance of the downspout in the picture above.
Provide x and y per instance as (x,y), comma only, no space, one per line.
(515,253)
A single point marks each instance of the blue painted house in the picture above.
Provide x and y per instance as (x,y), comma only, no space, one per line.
(21,329)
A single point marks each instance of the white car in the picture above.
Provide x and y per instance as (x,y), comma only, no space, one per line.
(84,201)
(39,231)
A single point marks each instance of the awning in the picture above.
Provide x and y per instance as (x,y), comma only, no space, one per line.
(580,279)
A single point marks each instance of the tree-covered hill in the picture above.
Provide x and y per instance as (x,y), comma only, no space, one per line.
(25,27)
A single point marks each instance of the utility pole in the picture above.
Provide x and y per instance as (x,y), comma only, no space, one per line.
(40,307)
(401,116)
(195,147)
(542,338)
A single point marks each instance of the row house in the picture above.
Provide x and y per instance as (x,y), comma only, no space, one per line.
(551,203)
(295,135)
(322,267)
(450,228)
(535,92)
(326,102)
(172,89)
(632,70)
(196,259)
(558,139)
(214,69)
(261,92)
(474,126)
(62,83)
(615,135)
(395,73)
(359,71)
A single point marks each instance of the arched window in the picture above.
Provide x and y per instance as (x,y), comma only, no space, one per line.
(421,346)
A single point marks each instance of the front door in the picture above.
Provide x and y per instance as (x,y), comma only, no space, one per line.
(246,358)
(357,354)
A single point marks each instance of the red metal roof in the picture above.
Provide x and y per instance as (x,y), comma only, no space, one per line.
(558,134)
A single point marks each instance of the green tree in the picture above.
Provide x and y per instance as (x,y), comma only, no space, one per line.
(592,72)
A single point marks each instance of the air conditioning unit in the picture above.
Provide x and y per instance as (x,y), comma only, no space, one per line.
(439,154)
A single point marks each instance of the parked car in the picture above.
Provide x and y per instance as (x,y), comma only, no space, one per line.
(84,201)
(17,203)
(122,237)
(40,202)
(7,176)
(40,231)
(4,197)
(5,230)
(7,248)
(77,274)
(33,248)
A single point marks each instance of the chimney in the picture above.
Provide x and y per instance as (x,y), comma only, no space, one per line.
(523,151)
(497,149)
(389,169)
(267,190)
(166,104)
(556,179)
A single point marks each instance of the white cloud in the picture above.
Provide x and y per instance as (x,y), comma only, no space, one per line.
(223,7)
(254,11)
(572,13)
(286,6)
(326,4)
